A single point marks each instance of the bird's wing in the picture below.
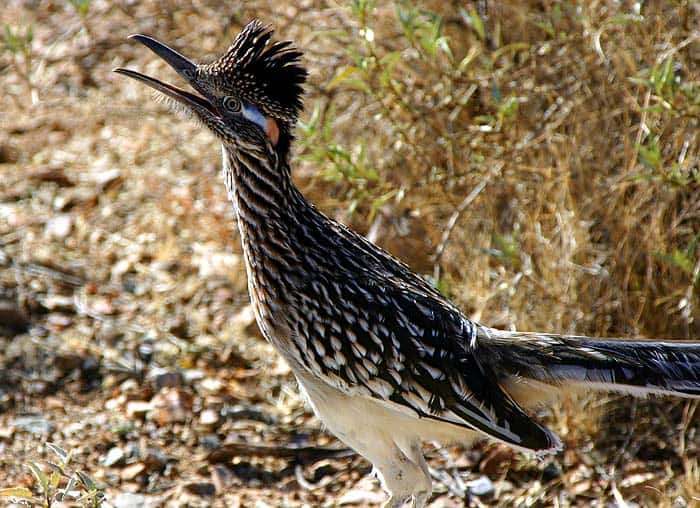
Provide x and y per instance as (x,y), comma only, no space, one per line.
(402,346)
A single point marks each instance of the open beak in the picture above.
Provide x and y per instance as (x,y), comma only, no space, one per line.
(184,67)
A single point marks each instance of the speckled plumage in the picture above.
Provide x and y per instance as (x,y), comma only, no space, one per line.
(383,358)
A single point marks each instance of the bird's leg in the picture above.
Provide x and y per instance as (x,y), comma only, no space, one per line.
(421,496)
(403,479)
(390,447)
(422,486)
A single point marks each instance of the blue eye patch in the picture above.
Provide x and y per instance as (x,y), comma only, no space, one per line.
(254,115)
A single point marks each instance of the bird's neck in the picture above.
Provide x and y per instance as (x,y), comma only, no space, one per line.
(268,207)
(258,184)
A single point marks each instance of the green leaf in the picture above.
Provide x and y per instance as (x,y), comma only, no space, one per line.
(474,20)
(60,452)
(82,6)
(508,107)
(40,476)
(679,260)
(68,489)
(388,62)
(86,481)
(342,75)
(650,153)
(19,492)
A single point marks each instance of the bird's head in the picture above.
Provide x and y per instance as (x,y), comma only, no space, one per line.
(250,97)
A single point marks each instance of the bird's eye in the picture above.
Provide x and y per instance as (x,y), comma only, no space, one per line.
(231,104)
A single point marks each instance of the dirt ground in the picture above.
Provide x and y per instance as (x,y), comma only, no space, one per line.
(126,335)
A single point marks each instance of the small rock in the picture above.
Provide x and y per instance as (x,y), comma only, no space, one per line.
(103,306)
(192,375)
(222,477)
(210,441)
(171,405)
(73,429)
(162,378)
(39,387)
(446,502)
(59,303)
(209,417)
(138,408)
(131,471)
(200,488)
(114,403)
(212,262)
(106,177)
(12,317)
(59,226)
(114,457)
(66,362)
(551,471)
(34,424)
(58,321)
(154,459)
(481,487)
(128,500)
(211,385)
(361,497)
(6,433)
(129,386)
(497,460)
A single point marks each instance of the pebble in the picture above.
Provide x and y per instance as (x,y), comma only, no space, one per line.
(114,457)
(446,502)
(105,177)
(192,375)
(481,487)
(210,441)
(213,263)
(33,424)
(154,459)
(12,316)
(59,226)
(138,408)
(162,378)
(58,321)
(200,488)
(361,497)
(209,417)
(132,471)
(211,385)
(128,500)
(59,303)
(171,405)
(222,477)
(66,362)
(551,471)
(6,433)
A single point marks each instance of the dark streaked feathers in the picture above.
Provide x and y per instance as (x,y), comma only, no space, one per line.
(269,74)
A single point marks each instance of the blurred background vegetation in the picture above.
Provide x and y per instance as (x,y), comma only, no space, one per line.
(538,161)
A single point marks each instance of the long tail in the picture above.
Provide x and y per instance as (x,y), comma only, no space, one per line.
(637,367)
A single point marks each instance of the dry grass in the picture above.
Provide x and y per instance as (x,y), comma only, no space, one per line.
(578,122)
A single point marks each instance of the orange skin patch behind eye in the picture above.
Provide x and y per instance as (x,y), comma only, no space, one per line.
(272,131)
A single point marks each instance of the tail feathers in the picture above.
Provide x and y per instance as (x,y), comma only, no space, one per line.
(637,367)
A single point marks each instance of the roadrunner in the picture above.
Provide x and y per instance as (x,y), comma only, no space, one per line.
(385,361)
